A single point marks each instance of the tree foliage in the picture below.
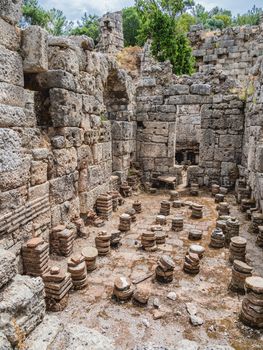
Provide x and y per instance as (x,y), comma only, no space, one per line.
(131,26)
(52,20)
(252,17)
(160,24)
(88,25)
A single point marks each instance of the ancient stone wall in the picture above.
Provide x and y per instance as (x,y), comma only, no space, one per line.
(111,34)
(232,50)
(251,167)
(59,147)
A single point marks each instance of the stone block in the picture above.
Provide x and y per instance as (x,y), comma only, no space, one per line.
(200,89)
(12,95)
(7,267)
(65,108)
(16,177)
(11,10)
(10,150)
(34,48)
(259,159)
(66,59)
(177,89)
(153,150)
(11,67)
(14,117)
(83,41)
(65,161)
(63,188)
(54,79)
(38,172)
(9,36)
(22,305)
(12,199)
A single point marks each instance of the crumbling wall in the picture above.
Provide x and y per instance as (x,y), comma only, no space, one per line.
(111,33)
(232,50)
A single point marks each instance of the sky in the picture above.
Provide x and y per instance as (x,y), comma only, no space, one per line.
(74,9)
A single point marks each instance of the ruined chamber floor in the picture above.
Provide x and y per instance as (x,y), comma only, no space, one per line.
(130,326)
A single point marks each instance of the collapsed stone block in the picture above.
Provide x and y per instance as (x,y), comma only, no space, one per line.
(22,306)
(7,266)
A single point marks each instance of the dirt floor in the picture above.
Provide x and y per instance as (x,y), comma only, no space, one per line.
(130,326)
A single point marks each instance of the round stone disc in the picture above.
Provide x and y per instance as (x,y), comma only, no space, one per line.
(122,283)
(89,253)
(255,283)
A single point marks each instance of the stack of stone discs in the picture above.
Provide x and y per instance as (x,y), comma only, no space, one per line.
(141,296)
(61,240)
(177,204)
(197,249)
(252,309)
(221,223)
(232,230)
(165,208)
(137,206)
(257,220)
(219,198)
(160,237)
(90,255)
(125,223)
(215,189)
(35,256)
(259,240)
(123,289)
(195,235)
(177,224)
(160,220)
(102,242)
(174,196)
(197,211)
(217,239)
(115,239)
(125,190)
(165,269)
(57,286)
(148,241)
(115,200)
(104,206)
(223,209)
(194,189)
(191,263)
(240,271)
(78,270)
(132,214)
(247,204)
(237,249)
(80,226)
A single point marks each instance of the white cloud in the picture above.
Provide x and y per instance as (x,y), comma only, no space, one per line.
(74,9)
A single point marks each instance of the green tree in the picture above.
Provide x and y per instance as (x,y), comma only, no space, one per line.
(252,17)
(88,25)
(185,21)
(52,20)
(131,26)
(169,42)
